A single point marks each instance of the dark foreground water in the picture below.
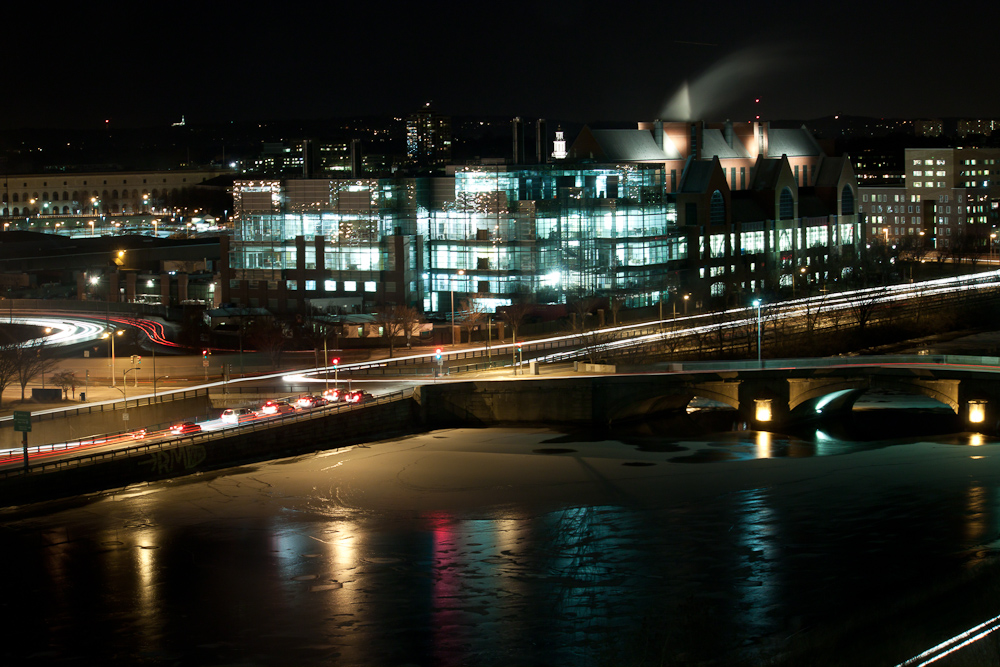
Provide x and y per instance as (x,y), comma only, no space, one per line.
(673,543)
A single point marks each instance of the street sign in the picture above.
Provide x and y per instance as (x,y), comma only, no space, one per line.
(22,421)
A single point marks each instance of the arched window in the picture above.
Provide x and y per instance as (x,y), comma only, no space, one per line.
(15,199)
(717,211)
(16,211)
(45,196)
(114,194)
(847,201)
(66,196)
(65,210)
(786,205)
(76,196)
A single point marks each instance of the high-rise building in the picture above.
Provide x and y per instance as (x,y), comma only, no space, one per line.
(428,137)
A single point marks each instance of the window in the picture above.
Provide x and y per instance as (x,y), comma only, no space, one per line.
(330,285)
(370,286)
(786,205)
(847,201)
(717,211)
(310,284)
(350,286)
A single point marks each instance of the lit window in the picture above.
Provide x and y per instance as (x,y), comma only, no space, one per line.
(370,286)
(310,284)
(350,286)
(330,285)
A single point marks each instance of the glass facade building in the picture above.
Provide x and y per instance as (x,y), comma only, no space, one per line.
(488,232)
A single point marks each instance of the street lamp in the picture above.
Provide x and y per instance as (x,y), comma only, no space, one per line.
(110,335)
(461,272)
(757,304)
(162,377)
(686,297)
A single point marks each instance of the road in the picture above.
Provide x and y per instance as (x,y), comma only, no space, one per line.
(163,372)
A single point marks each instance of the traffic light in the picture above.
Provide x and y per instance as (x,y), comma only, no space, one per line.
(335,361)
(204,355)
(437,354)
(138,360)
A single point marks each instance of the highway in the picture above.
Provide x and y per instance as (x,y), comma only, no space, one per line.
(406,371)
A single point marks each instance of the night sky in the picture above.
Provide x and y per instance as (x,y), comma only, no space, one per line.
(587,62)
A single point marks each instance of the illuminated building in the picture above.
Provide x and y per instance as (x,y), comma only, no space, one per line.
(428,137)
(637,214)
(952,195)
(117,192)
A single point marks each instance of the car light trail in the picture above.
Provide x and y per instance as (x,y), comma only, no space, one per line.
(951,645)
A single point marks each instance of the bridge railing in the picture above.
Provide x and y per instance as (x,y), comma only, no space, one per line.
(980,363)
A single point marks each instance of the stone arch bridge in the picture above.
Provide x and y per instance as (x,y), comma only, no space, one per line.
(781,392)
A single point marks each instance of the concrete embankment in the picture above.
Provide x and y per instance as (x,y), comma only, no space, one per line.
(281,437)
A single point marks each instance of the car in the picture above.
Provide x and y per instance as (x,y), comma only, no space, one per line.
(138,435)
(276,407)
(185,428)
(236,415)
(306,402)
(357,396)
(333,395)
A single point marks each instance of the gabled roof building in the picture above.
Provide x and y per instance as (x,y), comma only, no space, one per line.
(667,209)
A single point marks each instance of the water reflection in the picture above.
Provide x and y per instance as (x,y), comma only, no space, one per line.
(697,563)
(759,556)
(763,445)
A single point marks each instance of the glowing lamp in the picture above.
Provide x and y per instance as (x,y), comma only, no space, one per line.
(977,412)
(762,411)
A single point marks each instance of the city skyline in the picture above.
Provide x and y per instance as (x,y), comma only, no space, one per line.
(633,61)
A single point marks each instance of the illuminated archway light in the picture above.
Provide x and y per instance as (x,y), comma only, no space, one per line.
(829,398)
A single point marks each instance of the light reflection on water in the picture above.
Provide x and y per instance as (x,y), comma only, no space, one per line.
(715,556)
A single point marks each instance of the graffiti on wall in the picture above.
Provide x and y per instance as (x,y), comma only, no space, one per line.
(175,460)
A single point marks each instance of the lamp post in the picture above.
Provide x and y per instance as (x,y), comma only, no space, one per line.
(162,377)
(110,335)
(686,298)
(757,304)
(993,238)
(461,272)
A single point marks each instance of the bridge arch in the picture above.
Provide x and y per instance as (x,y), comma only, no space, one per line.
(814,396)
(658,397)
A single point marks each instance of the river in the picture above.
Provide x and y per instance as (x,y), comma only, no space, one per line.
(677,541)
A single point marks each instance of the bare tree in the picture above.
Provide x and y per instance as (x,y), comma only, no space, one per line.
(515,314)
(473,313)
(395,321)
(581,307)
(31,360)
(65,380)
(268,336)
(8,365)
(615,303)
(863,307)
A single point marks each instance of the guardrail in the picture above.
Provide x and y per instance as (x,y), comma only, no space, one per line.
(112,405)
(204,436)
(980,363)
